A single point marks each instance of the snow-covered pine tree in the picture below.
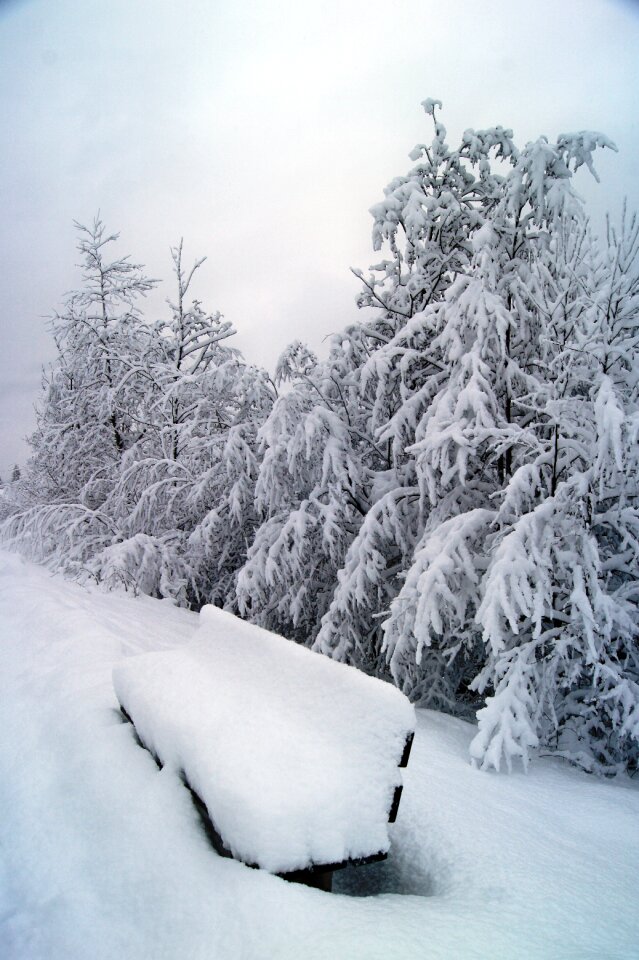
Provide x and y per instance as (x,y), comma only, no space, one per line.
(183,500)
(84,420)
(223,498)
(508,577)
(429,219)
(561,592)
(489,396)
(144,461)
(312,487)
(327,460)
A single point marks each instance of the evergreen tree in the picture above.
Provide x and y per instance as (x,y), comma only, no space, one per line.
(144,461)
(487,569)
(312,489)
(183,500)
(509,592)
(86,418)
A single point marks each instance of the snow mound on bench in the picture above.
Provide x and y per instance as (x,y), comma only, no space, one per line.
(294,754)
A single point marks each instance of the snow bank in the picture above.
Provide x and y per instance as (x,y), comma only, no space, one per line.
(294,755)
(102,856)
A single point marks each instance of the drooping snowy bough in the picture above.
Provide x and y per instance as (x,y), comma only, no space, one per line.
(292,757)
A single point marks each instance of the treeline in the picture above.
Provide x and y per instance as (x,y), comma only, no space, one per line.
(449,500)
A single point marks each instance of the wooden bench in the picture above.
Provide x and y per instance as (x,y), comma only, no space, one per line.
(292,760)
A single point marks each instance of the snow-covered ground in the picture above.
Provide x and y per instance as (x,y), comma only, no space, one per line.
(102,855)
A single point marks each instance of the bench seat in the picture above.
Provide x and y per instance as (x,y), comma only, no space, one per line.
(292,757)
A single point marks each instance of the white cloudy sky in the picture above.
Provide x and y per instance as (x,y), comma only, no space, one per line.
(262,131)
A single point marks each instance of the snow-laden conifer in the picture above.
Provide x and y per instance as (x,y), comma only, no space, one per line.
(431,220)
(144,458)
(184,495)
(86,418)
(312,489)
(503,400)
(521,429)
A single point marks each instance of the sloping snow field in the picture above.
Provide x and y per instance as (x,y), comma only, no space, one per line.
(102,855)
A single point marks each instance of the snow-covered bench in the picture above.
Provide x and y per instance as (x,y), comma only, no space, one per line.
(292,759)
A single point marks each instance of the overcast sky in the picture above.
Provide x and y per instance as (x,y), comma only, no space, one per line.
(262,131)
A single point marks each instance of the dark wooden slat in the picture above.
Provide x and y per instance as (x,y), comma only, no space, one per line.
(127,718)
(407,748)
(138,739)
(397,796)
(212,834)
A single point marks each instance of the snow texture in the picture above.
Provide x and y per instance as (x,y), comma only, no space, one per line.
(294,755)
(101,855)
